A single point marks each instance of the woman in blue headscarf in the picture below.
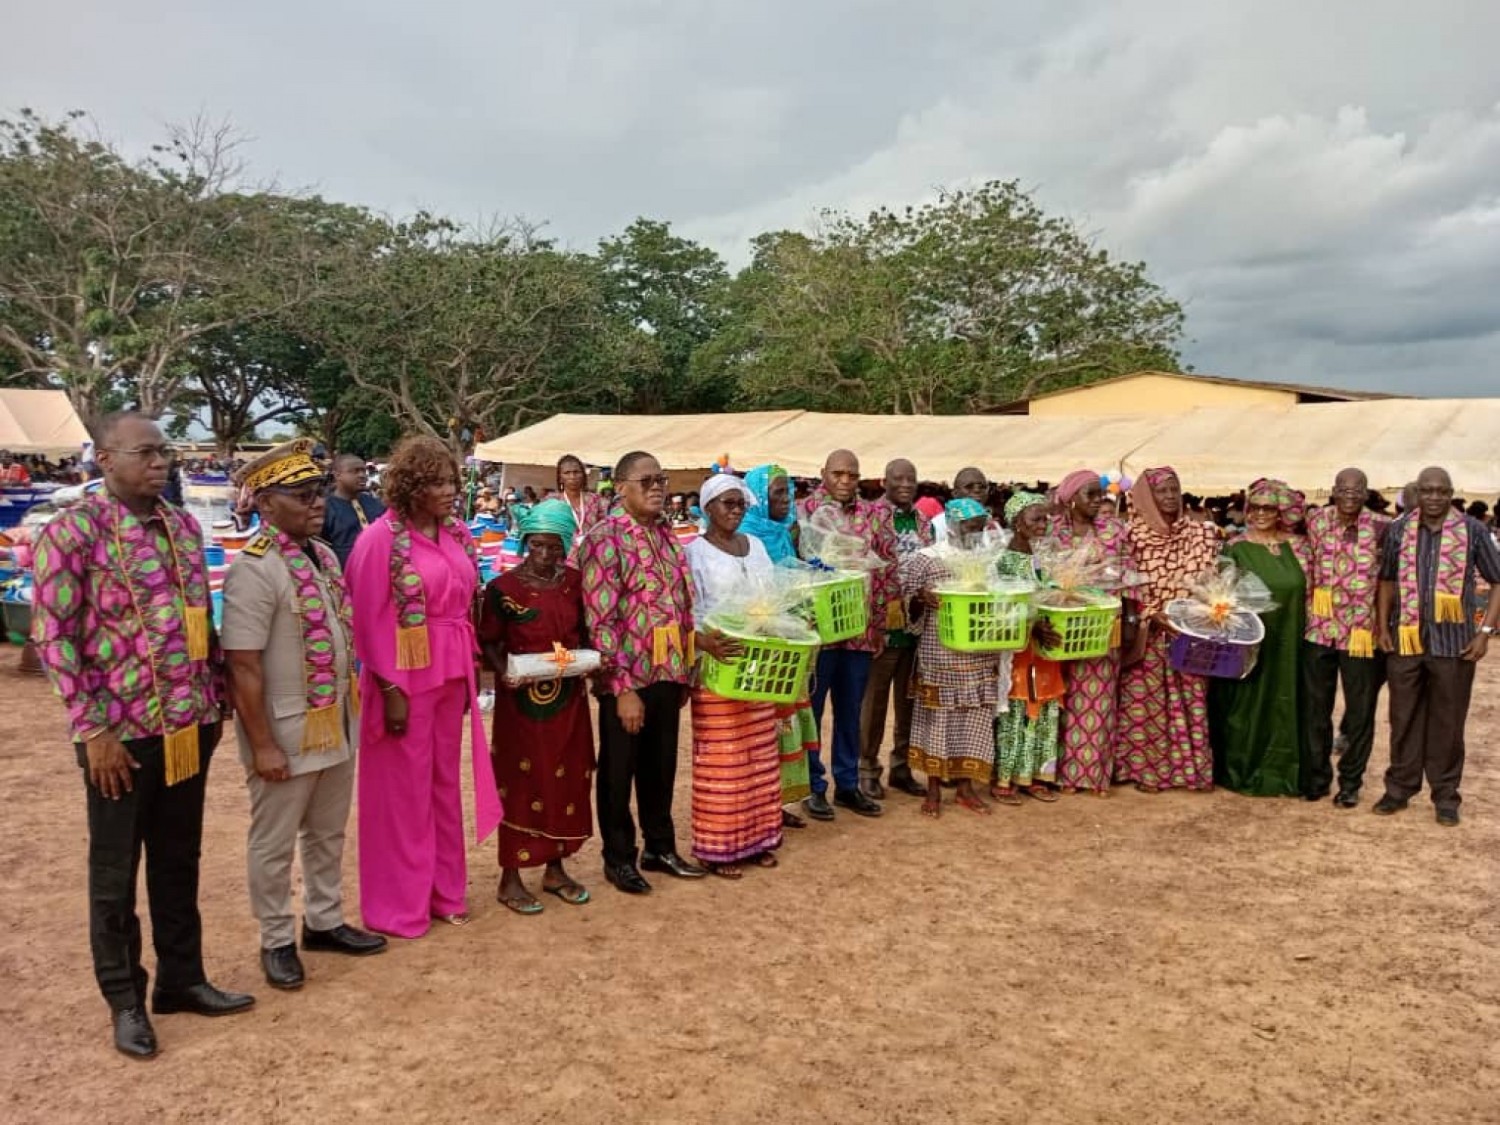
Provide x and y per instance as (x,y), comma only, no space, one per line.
(542,743)
(771,520)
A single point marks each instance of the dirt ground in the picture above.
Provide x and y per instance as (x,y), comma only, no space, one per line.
(1194,958)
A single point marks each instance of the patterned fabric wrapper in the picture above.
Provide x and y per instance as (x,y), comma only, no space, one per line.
(322,730)
(1448,582)
(412,649)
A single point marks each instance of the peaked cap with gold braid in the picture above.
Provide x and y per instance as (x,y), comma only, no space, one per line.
(290,463)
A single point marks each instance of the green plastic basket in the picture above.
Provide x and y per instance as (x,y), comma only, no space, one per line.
(983,622)
(840,606)
(1085,630)
(769,671)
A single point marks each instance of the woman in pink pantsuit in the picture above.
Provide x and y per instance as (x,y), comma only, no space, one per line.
(412,579)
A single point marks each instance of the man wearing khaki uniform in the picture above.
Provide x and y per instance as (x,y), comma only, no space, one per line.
(287,640)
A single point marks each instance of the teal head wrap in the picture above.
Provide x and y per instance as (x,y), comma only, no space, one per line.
(550,517)
(964,508)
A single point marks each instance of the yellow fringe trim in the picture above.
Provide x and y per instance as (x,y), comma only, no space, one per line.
(692,648)
(197,634)
(1450,607)
(323,729)
(412,650)
(666,639)
(1322,601)
(354,702)
(1409,640)
(1361,643)
(180,750)
(1114,633)
(895,616)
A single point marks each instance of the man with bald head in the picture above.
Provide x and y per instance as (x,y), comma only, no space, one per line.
(1427,577)
(844,668)
(1343,575)
(890,672)
(970,482)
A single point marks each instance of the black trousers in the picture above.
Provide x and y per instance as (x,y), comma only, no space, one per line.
(1322,669)
(647,759)
(1429,705)
(166,822)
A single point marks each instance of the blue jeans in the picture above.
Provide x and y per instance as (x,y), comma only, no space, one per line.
(844,675)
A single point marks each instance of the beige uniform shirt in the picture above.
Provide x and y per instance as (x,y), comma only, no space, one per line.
(260,613)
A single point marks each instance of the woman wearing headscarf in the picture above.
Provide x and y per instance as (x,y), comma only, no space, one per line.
(1256,724)
(1087,757)
(542,740)
(1162,738)
(955,695)
(1027,733)
(772,521)
(412,579)
(736,767)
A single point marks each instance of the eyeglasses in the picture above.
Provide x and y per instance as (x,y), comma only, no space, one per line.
(660,480)
(306,495)
(1262,508)
(144,452)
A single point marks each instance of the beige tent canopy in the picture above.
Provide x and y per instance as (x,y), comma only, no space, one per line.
(1391,440)
(39,422)
(1214,450)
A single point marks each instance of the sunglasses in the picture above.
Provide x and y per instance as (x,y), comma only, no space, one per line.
(307,494)
(660,480)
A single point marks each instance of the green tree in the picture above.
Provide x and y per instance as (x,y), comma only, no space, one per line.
(964,303)
(672,290)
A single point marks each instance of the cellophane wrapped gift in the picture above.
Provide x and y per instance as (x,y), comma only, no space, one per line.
(560,663)
(828,544)
(1223,604)
(1081,575)
(770,606)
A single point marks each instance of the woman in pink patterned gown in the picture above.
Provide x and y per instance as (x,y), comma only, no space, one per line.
(1087,759)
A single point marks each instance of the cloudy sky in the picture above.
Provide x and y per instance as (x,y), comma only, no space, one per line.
(1317,180)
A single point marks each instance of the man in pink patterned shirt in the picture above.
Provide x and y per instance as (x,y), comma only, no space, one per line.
(1343,574)
(638,602)
(121,623)
(844,668)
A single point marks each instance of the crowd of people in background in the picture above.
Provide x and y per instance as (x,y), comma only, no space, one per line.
(356,634)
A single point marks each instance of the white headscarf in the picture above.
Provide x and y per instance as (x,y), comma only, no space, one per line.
(720,483)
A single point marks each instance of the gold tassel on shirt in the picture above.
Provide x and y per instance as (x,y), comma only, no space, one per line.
(197,633)
(323,729)
(412,650)
(1448,607)
(1409,640)
(1361,643)
(1114,633)
(180,752)
(354,704)
(1322,601)
(895,616)
(664,640)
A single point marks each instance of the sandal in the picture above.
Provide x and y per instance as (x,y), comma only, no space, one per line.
(931,807)
(725,870)
(1142,787)
(1005,796)
(973,804)
(460,919)
(572,893)
(1041,793)
(792,820)
(766,859)
(521,905)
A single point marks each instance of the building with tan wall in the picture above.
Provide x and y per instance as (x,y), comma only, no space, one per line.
(1161,392)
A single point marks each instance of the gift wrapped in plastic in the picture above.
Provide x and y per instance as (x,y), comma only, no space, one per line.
(770,606)
(979,608)
(560,663)
(827,543)
(1081,575)
(1223,604)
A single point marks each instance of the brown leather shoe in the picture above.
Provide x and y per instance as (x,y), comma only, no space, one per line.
(871,788)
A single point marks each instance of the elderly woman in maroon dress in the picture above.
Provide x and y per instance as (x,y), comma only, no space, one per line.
(542,741)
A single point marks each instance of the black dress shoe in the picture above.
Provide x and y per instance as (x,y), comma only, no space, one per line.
(1448,818)
(670,863)
(283,968)
(624,877)
(903,781)
(872,788)
(1387,805)
(200,999)
(133,1034)
(342,939)
(1347,799)
(856,802)
(1315,796)
(818,808)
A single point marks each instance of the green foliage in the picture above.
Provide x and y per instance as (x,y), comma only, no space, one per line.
(165,284)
